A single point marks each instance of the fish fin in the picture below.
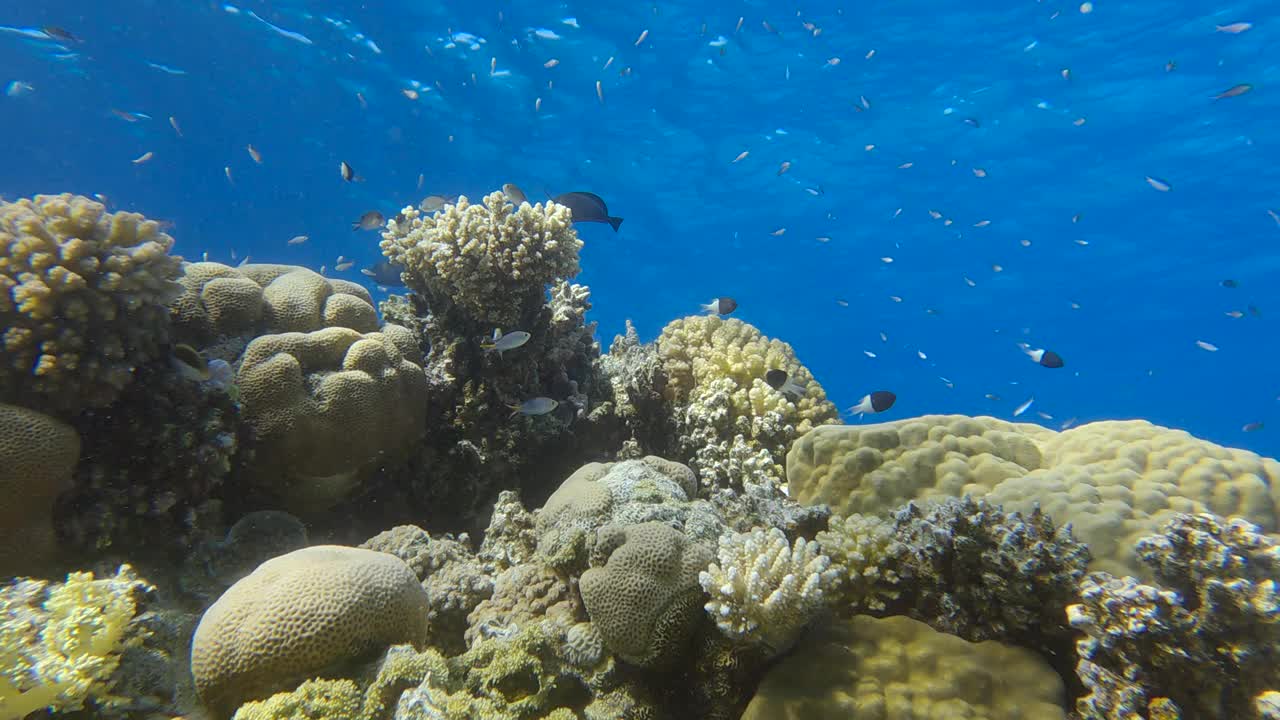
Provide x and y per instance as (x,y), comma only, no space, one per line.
(615,222)
(355,225)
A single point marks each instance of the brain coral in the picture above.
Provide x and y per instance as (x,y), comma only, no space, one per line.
(37,457)
(642,592)
(328,404)
(1113,481)
(867,668)
(222,301)
(82,300)
(726,415)
(298,614)
(494,261)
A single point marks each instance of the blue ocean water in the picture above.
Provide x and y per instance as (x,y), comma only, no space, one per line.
(1029,129)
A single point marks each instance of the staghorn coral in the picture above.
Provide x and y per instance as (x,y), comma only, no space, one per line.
(82,301)
(37,457)
(299,613)
(642,591)
(1113,481)
(151,461)
(901,668)
(327,406)
(1205,644)
(766,590)
(715,387)
(61,644)
(493,260)
(625,493)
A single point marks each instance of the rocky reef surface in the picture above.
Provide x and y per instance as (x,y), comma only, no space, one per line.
(249,493)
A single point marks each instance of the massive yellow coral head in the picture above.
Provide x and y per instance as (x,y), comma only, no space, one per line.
(492,260)
(82,296)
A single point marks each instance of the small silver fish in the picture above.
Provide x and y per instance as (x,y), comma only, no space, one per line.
(502,343)
(514,194)
(298,240)
(18,88)
(1024,406)
(371,220)
(534,406)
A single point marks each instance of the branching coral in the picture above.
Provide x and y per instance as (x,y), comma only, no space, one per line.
(1206,645)
(715,386)
(866,549)
(82,301)
(61,644)
(765,589)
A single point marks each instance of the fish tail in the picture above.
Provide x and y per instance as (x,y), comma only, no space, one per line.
(615,222)
(355,226)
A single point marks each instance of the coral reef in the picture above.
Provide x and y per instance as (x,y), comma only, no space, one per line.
(299,613)
(901,668)
(724,413)
(214,565)
(636,403)
(1112,481)
(765,589)
(328,405)
(642,590)
(1205,644)
(867,550)
(61,644)
(82,301)
(37,457)
(152,459)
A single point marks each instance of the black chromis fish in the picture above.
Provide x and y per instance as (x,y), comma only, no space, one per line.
(587,207)
(721,306)
(1047,358)
(876,402)
(347,172)
(780,381)
(385,273)
(1253,427)
(371,220)
(514,194)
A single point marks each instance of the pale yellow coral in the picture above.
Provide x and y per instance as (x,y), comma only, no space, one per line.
(902,669)
(82,300)
(493,260)
(715,384)
(60,645)
(328,405)
(1113,481)
(37,457)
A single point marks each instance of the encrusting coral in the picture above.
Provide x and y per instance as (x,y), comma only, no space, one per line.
(82,301)
(765,589)
(1113,481)
(328,405)
(37,457)
(299,613)
(725,415)
(1203,644)
(902,669)
(61,644)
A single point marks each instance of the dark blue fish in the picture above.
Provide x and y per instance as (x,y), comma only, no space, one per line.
(587,207)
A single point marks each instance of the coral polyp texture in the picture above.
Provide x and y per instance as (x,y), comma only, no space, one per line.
(726,417)
(493,260)
(37,457)
(61,643)
(329,405)
(300,613)
(902,669)
(82,301)
(1203,643)
(1112,481)
(765,589)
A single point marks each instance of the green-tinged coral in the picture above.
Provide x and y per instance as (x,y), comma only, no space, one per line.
(313,700)
(1113,481)
(624,493)
(82,301)
(522,595)
(329,405)
(715,386)
(902,669)
(493,260)
(300,613)
(1203,644)
(37,457)
(642,592)
(61,644)
(151,460)
(765,589)
(866,549)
